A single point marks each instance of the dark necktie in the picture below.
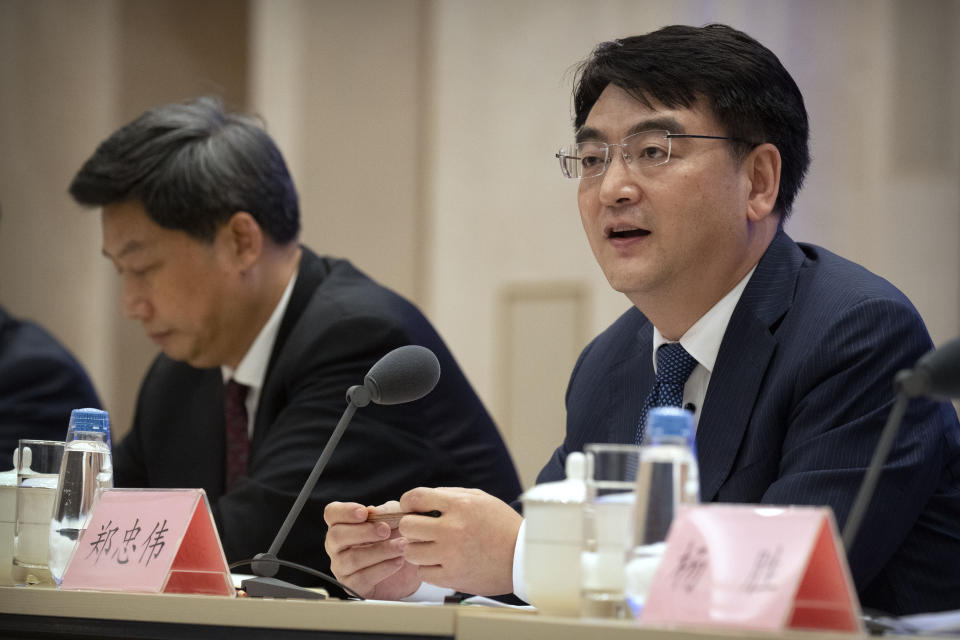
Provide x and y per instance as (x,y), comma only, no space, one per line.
(238,444)
(674,366)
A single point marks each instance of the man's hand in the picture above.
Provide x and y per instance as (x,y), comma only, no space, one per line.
(368,556)
(469,547)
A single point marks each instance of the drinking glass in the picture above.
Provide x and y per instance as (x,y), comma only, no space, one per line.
(611,471)
(38,468)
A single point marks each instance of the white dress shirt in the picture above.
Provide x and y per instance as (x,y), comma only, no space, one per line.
(253,366)
(702,341)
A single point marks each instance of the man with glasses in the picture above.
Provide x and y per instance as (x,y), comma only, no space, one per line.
(691,144)
(261,338)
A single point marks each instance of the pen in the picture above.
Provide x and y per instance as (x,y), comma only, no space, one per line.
(393,518)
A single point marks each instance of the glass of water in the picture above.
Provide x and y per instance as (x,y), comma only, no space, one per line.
(38,468)
(611,472)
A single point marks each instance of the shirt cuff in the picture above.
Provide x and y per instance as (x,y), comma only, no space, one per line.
(518,586)
(428,593)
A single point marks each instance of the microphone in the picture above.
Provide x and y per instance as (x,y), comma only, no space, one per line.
(936,375)
(405,374)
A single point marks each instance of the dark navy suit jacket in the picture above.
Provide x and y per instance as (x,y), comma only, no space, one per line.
(799,393)
(338,323)
(40,384)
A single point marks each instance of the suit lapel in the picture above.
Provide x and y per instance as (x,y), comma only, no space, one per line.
(202,391)
(745,352)
(734,385)
(310,274)
(631,381)
(213,388)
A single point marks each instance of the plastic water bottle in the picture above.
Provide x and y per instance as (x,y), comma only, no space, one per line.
(667,477)
(87,466)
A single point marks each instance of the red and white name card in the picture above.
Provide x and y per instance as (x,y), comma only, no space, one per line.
(153,540)
(752,567)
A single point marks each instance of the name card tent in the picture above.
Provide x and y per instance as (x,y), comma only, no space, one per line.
(751,567)
(150,540)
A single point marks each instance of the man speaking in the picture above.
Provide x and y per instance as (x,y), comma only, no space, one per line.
(690,146)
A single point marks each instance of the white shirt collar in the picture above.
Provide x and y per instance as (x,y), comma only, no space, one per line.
(253,366)
(702,340)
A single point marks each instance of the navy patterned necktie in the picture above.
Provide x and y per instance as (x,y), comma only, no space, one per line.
(674,366)
(238,442)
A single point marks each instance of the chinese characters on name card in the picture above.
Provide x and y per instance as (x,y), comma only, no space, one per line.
(150,540)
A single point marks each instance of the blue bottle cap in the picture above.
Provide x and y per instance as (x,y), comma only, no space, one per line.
(669,423)
(93,420)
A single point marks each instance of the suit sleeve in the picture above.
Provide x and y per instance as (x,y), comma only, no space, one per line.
(40,384)
(844,395)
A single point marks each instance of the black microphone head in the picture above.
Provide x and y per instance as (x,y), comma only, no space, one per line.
(940,371)
(405,374)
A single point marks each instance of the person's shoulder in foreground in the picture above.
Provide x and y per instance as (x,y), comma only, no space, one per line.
(40,384)
(201,219)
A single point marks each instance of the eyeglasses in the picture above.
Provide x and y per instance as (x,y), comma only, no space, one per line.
(644,149)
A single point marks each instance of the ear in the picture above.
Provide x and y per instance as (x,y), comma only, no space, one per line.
(244,239)
(763,173)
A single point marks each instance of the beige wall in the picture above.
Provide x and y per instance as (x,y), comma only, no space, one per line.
(70,73)
(341,86)
(450,112)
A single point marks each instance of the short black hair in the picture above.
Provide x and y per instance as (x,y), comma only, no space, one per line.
(745,86)
(192,166)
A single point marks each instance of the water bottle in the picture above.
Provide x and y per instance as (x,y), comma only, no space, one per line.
(667,477)
(86,467)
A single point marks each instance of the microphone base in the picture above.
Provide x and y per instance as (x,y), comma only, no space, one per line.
(261,587)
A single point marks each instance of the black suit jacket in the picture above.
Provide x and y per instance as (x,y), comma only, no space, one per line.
(337,325)
(801,389)
(40,384)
